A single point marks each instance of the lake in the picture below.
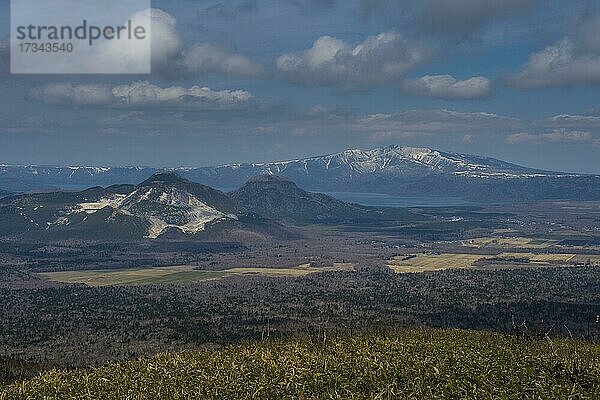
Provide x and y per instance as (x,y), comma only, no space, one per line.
(387,200)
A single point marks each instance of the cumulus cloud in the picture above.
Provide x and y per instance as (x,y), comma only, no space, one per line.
(573,60)
(147,94)
(212,58)
(333,62)
(166,43)
(172,58)
(447,87)
(142,94)
(558,135)
(68,94)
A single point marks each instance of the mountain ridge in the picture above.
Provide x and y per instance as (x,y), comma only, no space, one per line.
(163,203)
(279,198)
(395,170)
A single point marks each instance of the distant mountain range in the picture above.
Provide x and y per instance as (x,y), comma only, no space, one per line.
(394,170)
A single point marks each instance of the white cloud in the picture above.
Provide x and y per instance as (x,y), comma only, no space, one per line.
(575,120)
(73,95)
(442,115)
(142,94)
(171,58)
(333,62)
(558,135)
(166,43)
(447,87)
(573,60)
(146,94)
(211,58)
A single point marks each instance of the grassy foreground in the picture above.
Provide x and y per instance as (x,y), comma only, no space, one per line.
(418,364)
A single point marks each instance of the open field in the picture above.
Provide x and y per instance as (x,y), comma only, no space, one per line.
(427,262)
(433,262)
(177,274)
(137,276)
(585,258)
(510,242)
(540,258)
(420,364)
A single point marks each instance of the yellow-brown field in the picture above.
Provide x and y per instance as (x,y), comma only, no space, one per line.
(585,258)
(539,258)
(177,274)
(438,262)
(509,242)
(433,262)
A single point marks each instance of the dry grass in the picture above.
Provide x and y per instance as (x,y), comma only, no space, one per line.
(433,262)
(426,364)
(584,258)
(540,258)
(177,274)
(510,242)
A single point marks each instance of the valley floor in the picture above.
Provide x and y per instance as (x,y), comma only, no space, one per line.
(411,364)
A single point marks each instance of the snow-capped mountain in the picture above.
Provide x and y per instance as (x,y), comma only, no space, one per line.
(391,160)
(394,170)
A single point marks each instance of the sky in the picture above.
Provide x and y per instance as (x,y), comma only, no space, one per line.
(266,80)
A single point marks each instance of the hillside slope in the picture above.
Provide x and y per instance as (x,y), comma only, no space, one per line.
(163,204)
(279,198)
(426,364)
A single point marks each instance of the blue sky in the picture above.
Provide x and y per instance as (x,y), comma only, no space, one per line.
(259,80)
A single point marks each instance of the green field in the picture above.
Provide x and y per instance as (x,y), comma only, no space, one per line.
(176,274)
(418,364)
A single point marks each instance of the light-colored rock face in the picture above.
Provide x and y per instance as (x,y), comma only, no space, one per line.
(191,213)
(162,208)
(92,207)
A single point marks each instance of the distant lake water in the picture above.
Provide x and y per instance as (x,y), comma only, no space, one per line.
(387,200)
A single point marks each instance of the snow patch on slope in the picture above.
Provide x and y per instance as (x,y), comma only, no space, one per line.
(93,207)
(163,209)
